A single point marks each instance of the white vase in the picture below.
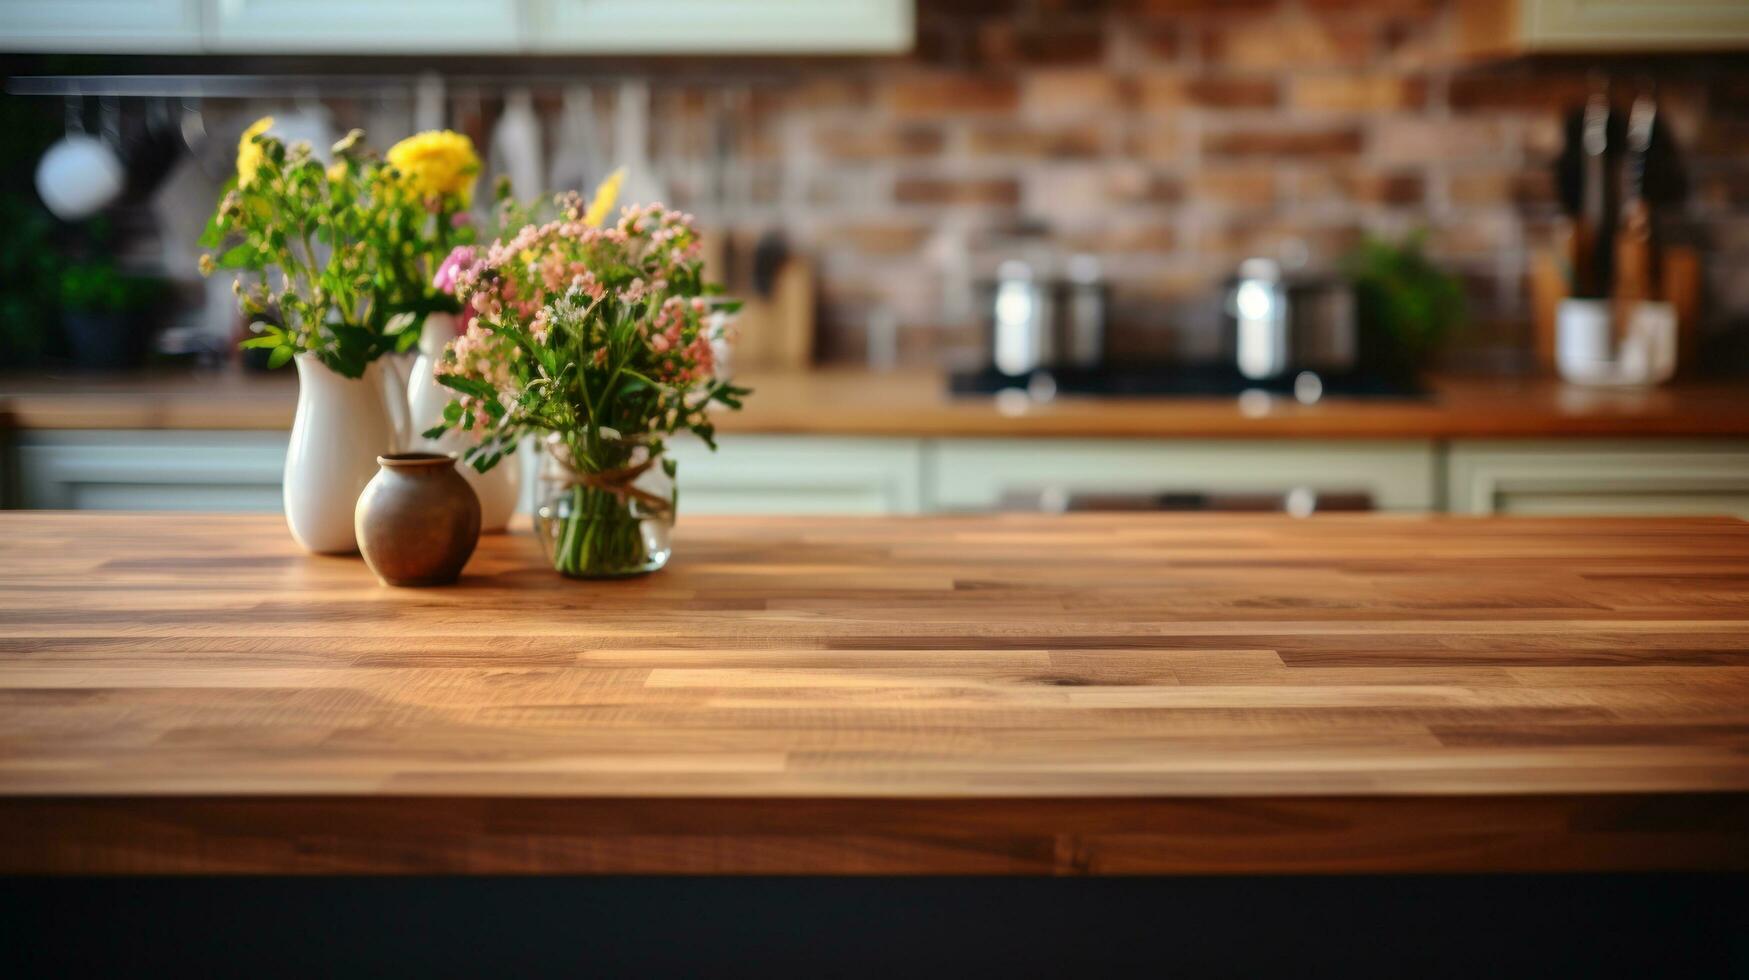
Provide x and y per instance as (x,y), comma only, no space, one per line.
(341,427)
(425,397)
(396,369)
(499,489)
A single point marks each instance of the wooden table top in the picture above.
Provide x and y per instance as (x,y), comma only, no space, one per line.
(1007,694)
(917,404)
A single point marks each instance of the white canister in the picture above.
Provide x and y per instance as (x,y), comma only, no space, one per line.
(1587,352)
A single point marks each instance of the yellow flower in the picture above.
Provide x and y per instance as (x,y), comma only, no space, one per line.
(249,153)
(337,171)
(436,164)
(606,193)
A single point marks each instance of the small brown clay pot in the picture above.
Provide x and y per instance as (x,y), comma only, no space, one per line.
(417,520)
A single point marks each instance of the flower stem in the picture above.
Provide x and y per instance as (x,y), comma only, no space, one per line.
(600,536)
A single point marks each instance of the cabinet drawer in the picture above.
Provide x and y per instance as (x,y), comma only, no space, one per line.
(1624,478)
(976,474)
(759,474)
(150,470)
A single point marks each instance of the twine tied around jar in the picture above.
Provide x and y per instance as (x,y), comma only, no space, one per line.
(617,481)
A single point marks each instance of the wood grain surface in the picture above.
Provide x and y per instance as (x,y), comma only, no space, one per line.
(1011,694)
(846,402)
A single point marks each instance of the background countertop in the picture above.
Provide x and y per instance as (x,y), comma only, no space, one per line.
(849,402)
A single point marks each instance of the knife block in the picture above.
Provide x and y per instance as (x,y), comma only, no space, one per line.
(1679,275)
(774,332)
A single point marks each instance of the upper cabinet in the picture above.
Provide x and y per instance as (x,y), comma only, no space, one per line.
(365,26)
(654,27)
(723,26)
(1488,28)
(101,26)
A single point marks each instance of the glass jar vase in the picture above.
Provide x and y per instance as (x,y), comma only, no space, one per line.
(605,524)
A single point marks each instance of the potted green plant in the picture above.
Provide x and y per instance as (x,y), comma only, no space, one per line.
(104,314)
(1406,306)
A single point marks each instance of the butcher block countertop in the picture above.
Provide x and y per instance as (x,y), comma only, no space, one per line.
(1082,694)
(917,404)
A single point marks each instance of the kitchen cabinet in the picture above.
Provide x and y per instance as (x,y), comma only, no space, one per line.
(1511,27)
(457,26)
(745,26)
(385,26)
(977,474)
(101,26)
(134,470)
(241,471)
(1618,477)
(797,474)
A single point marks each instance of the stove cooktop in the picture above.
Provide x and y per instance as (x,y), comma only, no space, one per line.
(1181,380)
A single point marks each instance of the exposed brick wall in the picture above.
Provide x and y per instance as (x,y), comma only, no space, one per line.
(1172,138)
(1176,138)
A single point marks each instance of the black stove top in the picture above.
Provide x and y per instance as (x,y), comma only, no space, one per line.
(1179,380)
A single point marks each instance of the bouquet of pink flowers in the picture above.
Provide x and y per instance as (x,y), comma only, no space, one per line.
(599,340)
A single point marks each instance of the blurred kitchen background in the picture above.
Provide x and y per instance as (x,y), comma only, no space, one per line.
(1038,199)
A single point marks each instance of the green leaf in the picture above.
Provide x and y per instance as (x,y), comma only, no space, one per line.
(213,234)
(279,356)
(348,362)
(729,395)
(270,340)
(469,386)
(239,256)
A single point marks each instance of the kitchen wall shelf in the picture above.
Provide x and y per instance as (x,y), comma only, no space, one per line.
(317,85)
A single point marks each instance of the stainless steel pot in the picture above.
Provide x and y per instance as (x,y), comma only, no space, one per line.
(1037,324)
(1023,321)
(1277,325)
